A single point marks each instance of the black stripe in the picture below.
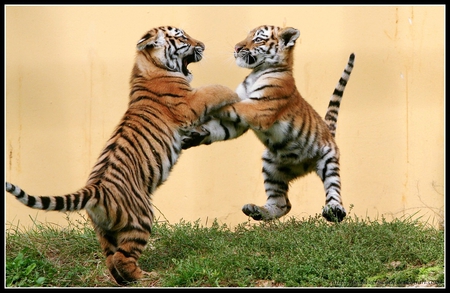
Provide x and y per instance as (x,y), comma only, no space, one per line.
(125,253)
(265,86)
(146,226)
(342,82)
(324,155)
(335,185)
(269,98)
(332,198)
(308,132)
(139,98)
(118,215)
(141,167)
(139,88)
(282,185)
(333,174)
(68,202)
(31,201)
(325,167)
(174,45)
(86,197)
(125,174)
(45,202)
(352,57)
(76,201)
(130,228)
(111,238)
(161,120)
(21,193)
(97,194)
(120,189)
(149,131)
(59,203)
(337,92)
(225,129)
(131,201)
(130,156)
(109,196)
(267,160)
(155,155)
(195,113)
(332,112)
(140,241)
(144,137)
(330,117)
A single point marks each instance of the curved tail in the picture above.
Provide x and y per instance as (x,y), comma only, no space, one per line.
(335,100)
(69,202)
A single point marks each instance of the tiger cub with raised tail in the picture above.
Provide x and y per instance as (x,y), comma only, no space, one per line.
(297,140)
(142,149)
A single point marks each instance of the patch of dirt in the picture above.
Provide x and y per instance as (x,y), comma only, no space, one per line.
(267,283)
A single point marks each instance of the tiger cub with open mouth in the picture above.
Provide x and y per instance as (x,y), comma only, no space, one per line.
(142,150)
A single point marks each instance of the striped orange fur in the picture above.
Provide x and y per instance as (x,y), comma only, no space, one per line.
(297,140)
(142,149)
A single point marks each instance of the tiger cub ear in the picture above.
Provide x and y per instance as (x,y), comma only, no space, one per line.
(151,40)
(288,36)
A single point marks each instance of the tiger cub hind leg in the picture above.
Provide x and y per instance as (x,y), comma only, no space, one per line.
(276,184)
(122,251)
(271,210)
(277,174)
(327,168)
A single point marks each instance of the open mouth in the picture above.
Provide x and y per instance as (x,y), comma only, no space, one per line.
(250,59)
(246,57)
(194,57)
(186,61)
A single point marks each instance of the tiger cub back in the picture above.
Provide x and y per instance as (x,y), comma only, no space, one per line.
(142,150)
(297,140)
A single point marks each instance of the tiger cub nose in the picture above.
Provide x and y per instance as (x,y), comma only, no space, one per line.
(201,45)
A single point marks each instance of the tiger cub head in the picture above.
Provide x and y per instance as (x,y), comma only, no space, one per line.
(170,48)
(266,46)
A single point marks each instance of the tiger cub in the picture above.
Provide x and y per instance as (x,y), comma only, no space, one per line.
(297,140)
(142,149)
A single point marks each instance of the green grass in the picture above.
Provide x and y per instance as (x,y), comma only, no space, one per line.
(289,253)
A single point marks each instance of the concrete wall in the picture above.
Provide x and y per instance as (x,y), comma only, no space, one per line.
(67,73)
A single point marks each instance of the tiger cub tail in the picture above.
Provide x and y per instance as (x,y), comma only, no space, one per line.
(335,100)
(70,202)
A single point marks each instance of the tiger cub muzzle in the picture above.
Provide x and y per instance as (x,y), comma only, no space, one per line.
(243,55)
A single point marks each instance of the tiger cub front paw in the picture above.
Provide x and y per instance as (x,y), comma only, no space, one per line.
(334,213)
(194,138)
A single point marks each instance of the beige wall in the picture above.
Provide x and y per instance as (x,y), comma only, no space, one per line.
(67,72)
